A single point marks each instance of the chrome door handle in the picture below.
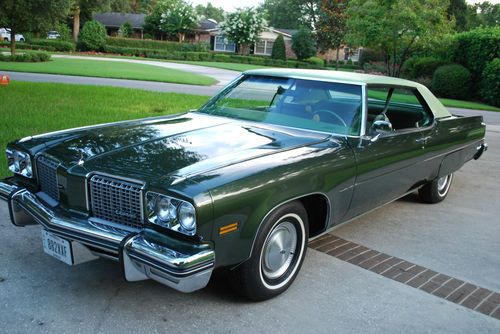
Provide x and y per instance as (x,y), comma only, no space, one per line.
(423,140)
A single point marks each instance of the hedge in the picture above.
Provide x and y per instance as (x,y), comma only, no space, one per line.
(212,56)
(452,81)
(490,84)
(156,45)
(54,44)
(476,48)
(26,46)
(25,57)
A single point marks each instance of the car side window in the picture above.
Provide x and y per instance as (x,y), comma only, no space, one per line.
(403,107)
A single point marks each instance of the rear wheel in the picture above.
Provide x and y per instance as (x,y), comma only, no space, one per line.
(436,191)
(278,253)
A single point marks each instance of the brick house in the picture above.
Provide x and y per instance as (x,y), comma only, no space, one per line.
(264,47)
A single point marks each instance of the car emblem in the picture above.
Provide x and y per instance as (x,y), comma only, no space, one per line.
(124,213)
(81,161)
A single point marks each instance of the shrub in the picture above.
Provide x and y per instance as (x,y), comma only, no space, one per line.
(257,61)
(279,50)
(93,36)
(369,56)
(26,46)
(64,31)
(222,58)
(490,84)
(476,48)
(56,45)
(421,67)
(33,57)
(303,44)
(126,30)
(316,61)
(452,81)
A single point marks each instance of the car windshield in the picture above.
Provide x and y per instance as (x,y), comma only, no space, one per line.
(307,104)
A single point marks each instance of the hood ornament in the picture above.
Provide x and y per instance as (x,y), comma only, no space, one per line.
(81,161)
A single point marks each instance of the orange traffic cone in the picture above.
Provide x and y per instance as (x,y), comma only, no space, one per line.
(4,80)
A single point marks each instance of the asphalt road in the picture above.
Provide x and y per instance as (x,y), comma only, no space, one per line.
(135,84)
(222,76)
(459,237)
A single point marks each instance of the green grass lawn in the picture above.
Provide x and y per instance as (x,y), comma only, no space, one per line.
(109,69)
(34,108)
(226,66)
(467,105)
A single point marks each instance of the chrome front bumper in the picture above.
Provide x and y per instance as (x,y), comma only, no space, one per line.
(183,266)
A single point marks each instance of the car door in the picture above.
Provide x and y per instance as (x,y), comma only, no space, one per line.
(389,163)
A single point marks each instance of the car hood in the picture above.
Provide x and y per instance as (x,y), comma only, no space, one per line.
(174,148)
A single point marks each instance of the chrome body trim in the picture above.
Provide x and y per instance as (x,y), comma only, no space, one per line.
(142,258)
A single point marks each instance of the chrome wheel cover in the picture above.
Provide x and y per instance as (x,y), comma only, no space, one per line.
(279,250)
(443,184)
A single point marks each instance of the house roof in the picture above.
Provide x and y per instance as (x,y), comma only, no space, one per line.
(355,78)
(116,20)
(207,25)
(289,32)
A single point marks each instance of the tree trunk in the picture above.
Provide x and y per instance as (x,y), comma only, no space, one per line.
(337,59)
(76,24)
(181,37)
(12,42)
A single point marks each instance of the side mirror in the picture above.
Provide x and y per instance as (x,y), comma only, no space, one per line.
(379,127)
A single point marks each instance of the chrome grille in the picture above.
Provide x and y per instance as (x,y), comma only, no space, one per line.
(116,201)
(47,176)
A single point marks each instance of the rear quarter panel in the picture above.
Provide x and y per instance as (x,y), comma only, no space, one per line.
(453,142)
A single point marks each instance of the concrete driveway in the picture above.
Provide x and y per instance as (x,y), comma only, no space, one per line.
(459,237)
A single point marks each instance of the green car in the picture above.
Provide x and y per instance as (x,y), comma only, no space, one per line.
(277,158)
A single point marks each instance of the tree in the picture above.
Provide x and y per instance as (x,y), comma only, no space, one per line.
(22,15)
(243,27)
(279,49)
(483,14)
(79,7)
(210,12)
(458,10)
(303,44)
(396,27)
(332,25)
(310,11)
(171,17)
(282,13)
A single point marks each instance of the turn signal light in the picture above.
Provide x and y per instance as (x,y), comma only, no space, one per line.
(228,228)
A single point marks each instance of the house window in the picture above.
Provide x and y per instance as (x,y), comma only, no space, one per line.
(222,44)
(263,48)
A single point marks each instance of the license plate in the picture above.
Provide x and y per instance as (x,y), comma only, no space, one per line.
(57,247)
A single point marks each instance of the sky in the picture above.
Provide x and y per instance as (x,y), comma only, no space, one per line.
(230,5)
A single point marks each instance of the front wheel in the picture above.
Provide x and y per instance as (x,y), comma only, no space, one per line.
(436,191)
(278,253)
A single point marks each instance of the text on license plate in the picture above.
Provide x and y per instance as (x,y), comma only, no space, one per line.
(57,247)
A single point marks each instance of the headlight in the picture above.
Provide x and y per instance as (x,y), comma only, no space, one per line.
(172,213)
(19,162)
